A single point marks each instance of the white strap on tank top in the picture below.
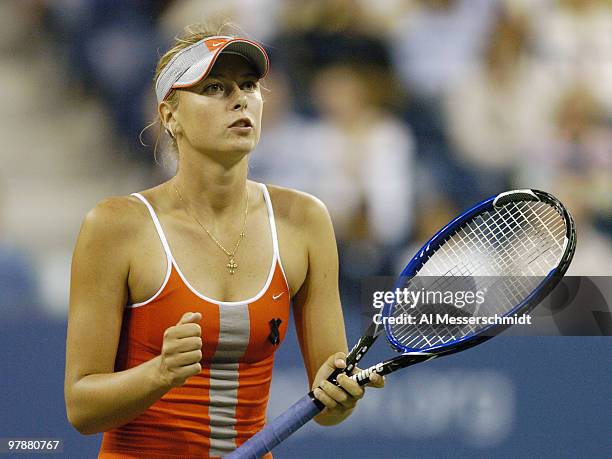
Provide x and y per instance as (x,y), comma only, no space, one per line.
(172,261)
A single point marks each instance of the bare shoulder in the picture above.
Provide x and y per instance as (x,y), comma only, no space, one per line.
(298,208)
(118,218)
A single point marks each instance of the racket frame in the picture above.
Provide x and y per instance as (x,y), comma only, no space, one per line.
(547,284)
(411,356)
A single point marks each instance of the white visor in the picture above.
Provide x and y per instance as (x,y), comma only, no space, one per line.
(191,65)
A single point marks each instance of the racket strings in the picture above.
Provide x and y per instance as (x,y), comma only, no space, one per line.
(512,288)
(465,271)
(505,252)
(472,242)
(461,268)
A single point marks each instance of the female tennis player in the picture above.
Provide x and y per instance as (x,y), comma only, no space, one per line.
(180,294)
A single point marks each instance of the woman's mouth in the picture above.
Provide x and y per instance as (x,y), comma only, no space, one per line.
(242,125)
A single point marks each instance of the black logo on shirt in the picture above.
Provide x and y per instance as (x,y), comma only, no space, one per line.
(274,336)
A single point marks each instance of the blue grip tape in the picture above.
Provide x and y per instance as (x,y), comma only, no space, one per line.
(278,430)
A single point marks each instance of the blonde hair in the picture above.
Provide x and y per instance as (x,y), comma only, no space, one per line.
(192,34)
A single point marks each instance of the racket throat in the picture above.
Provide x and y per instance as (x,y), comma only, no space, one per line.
(384,368)
(363,377)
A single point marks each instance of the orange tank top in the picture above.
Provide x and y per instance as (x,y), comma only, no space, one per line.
(220,408)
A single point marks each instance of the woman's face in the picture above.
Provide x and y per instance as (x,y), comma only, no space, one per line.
(222,113)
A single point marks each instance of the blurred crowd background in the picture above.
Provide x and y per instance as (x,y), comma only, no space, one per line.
(398,114)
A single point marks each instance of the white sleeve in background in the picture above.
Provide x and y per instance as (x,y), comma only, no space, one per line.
(387,176)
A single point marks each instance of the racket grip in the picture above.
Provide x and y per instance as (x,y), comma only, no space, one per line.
(279,429)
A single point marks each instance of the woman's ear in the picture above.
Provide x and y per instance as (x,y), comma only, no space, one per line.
(166,114)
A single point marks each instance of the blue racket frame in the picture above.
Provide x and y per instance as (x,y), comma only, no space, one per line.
(430,247)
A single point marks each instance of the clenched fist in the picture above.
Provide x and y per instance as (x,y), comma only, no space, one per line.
(181,351)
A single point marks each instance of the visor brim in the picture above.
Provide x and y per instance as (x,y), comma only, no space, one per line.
(254,53)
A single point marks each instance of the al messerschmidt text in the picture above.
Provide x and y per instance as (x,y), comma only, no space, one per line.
(448,319)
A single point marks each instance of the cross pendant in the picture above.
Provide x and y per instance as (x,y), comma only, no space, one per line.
(232,266)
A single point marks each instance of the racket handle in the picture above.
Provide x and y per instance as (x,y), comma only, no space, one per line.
(353,357)
(334,375)
(279,429)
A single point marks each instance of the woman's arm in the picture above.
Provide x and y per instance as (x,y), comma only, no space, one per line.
(319,320)
(97,399)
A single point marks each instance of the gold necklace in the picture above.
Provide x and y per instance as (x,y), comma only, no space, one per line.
(231,266)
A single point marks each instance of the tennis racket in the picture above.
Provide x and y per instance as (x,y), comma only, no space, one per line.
(515,246)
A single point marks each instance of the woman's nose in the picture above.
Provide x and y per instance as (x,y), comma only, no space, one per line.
(240,99)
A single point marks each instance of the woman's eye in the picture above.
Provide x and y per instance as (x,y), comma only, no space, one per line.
(213,88)
(250,85)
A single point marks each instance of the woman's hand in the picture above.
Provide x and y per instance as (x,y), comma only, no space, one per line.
(181,351)
(339,401)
